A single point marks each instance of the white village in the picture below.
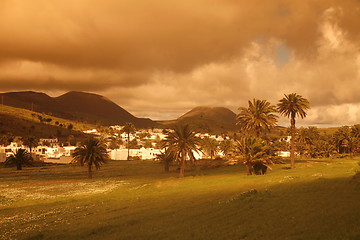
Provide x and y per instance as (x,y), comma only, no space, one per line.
(147,146)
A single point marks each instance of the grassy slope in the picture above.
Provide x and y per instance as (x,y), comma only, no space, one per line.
(22,122)
(28,115)
(135,200)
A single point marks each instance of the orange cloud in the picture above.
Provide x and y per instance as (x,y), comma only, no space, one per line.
(152,56)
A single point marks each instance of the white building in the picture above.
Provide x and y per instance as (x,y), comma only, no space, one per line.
(117,127)
(142,153)
(6,151)
(283,154)
(92,131)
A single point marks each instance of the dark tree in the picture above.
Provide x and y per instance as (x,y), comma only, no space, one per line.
(182,141)
(128,129)
(91,152)
(20,158)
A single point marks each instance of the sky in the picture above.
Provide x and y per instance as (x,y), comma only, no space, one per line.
(161,58)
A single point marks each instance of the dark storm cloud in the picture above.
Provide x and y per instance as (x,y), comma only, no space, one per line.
(156,34)
(160,54)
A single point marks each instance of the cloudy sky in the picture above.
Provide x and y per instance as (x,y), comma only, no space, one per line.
(160,58)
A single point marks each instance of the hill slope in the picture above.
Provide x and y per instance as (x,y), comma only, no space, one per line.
(36,101)
(220,114)
(91,107)
(208,119)
(76,106)
(23,123)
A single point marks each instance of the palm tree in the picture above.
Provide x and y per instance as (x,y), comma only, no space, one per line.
(20,158)
(30,142)
(166,158)
(259,116)
(355,134)
(226,147)
(210,146)
(6,140)
(303,139)
(325,149)
(183,142)
(355,131)
(306,137)
(290,106)
(313,133)
(92,152)
(353,145)
(128,128)
(341,137)
(251,149)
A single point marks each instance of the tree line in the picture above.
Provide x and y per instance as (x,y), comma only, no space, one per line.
(252,145)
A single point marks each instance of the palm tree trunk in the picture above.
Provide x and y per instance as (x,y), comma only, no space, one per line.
(89,171)
(182,165)
(257,132)
(166,166)
(248,167)
(18,166)
(292,141)
(128,156)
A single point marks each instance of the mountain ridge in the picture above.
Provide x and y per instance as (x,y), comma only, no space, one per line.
(75,105)
(207,119)
(211,113)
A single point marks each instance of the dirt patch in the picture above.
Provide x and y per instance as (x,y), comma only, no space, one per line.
(55,189)
(303,165)
(43,183)
(167,183)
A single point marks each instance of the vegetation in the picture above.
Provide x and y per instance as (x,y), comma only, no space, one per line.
(92,152)
(290,106)
(128,129)
(43,118)
(226,147)
(166,158)
(137,200)
(30,142)
(17,122)
(6,139)
(183,142)
(251,149)
(258,118)
(210,146)
(19,158)
(114,143)
(143,202)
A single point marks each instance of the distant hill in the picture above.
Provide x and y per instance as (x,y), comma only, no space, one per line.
(22,122)
(220,114)
(77,106)
(36,101)
(93,108)
(207,119)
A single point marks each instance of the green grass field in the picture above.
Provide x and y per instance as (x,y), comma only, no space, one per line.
(33,117)
(136,200)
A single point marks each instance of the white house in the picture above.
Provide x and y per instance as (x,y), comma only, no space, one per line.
(92,131)
(6,151)
(283,154)
(142,153)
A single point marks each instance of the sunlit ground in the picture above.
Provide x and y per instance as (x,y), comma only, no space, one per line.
(137,200)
